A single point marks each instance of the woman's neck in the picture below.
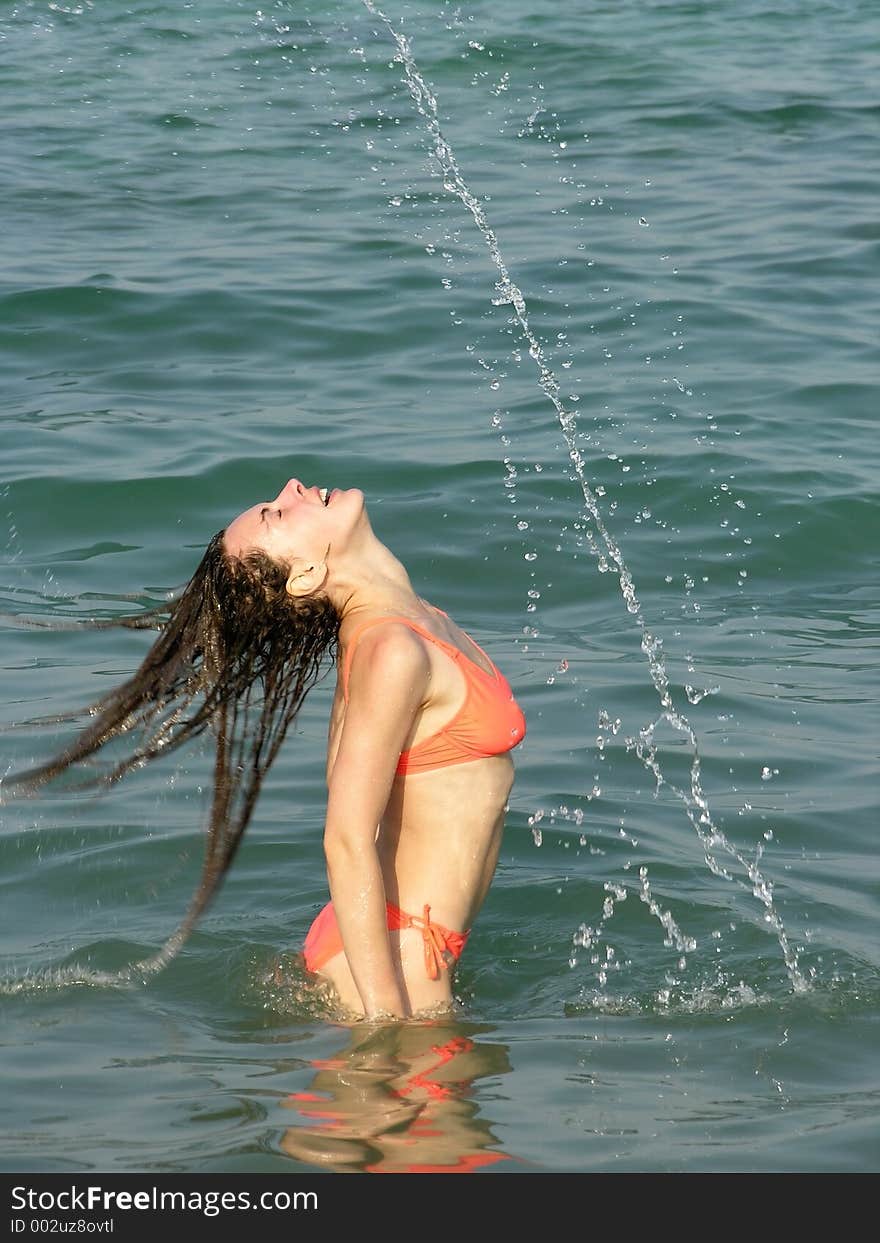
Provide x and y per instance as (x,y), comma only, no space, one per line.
(372,580)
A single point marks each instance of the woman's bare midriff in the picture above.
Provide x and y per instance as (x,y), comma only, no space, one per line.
(438,845)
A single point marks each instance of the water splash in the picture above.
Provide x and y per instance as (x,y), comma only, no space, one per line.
(54,979)
(674,935)
(598,538)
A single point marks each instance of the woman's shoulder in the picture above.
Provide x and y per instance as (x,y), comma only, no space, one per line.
(382,648)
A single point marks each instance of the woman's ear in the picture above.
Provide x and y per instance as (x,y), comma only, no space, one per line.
(305,577)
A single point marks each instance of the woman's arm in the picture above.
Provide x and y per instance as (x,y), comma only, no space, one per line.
(387,688)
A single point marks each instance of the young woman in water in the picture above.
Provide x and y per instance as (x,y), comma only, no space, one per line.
(418,760)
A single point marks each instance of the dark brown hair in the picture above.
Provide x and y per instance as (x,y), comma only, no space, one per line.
(236,655)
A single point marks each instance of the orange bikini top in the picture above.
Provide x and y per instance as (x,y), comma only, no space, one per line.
(489,722)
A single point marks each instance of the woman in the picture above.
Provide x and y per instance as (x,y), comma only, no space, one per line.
(418,764)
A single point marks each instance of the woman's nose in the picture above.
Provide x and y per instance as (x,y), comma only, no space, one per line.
(293,486)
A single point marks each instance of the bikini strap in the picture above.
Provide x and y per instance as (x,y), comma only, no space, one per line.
(433,939)
(444,644)
(355,638)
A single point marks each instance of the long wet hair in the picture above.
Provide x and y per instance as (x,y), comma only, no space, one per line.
(236,656)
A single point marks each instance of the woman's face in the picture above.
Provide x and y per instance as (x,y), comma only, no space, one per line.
(299,524)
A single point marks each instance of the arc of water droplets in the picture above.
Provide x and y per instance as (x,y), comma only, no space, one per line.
(674,934)
(696,804)
(69,977)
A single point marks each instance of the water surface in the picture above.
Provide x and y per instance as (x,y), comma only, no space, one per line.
(227,257)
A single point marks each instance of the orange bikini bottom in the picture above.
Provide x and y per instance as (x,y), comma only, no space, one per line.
(324,940)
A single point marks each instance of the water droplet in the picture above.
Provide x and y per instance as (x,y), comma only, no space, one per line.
(695,696)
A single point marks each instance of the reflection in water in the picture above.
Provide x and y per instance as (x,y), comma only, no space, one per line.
(398,1100)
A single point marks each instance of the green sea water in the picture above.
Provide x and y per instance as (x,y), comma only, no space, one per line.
(234,250)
